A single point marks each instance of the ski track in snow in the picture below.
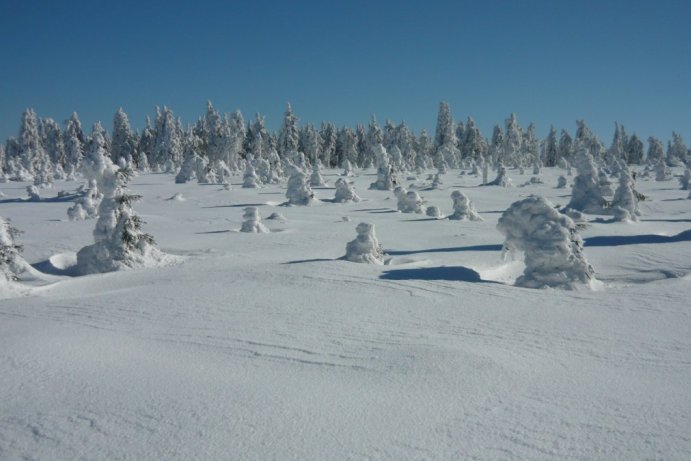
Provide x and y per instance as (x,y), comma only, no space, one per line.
(270,347)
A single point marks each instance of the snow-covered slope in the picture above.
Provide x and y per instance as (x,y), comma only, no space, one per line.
(268,346)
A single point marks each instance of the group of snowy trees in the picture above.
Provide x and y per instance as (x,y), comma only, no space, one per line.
(216,145)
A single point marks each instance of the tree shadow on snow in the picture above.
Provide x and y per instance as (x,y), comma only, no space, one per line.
(239,205)
(620,240)
(666,220)
(56,199)
(315,260)
(445,250)
(447,273)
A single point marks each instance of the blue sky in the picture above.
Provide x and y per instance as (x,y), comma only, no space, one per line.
(550,62)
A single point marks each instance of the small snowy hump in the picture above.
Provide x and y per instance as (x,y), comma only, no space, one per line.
(176,198)
(277,216)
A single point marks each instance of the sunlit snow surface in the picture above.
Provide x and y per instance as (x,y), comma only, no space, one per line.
(268,346)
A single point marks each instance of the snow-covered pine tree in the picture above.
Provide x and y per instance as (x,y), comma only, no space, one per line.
(634,150)
(551,148)
(445,138)
(656,152)
(124,142)
(289,135)
(11,262)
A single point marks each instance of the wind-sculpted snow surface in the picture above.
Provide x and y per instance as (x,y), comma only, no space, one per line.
(274,347)
(553,249)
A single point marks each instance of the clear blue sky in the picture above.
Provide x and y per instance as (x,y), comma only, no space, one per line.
(547,61)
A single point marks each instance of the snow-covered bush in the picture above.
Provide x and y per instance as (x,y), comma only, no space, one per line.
(347,168)
(463,208)
(561,182)
(253,221)
(345,192)
(299,192)
(365,248)
(433,212)
(553,249)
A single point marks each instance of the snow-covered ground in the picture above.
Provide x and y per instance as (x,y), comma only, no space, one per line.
(267,346)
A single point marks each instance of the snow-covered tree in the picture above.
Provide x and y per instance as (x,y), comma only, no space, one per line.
(585,193)
(463,208)
(513,140)
(408,201)
(678,150)
(365,248)
(445,138)
(11,262)
(625,200)
(551,156)
(124,142)
(192,162)
(634,150)
(86,206)
(250,180)
(299,192)
(386,178)
(327,135)
(253,221)
(316,178)
(553,249)
(656,152)
(345,192)
(119,242)
(502,178)
(289,136)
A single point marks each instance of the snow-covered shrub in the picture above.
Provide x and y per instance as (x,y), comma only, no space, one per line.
(365,248)
(433,212)
(463,208)
(253,221)
(345,192)
(553,249)
(561,182)
(299,192)
(86,206)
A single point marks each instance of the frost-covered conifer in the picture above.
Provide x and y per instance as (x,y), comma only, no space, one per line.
(124,144)
(386,179)
(345,192)
(604,183)
(502,178)
(11,262)
(250,180)
(662,172)
(34,195)
(119,242)
(585,193)
(463,208)
(656,152)
(551,148)
(445,138)
(625,200)
(347,168)
(316,179)
(253,221)
(192,162)
(365,248)
(408,201)
(289,136)
(553,249)
(685,179)
(86,206)
(634,150)
(299,192)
